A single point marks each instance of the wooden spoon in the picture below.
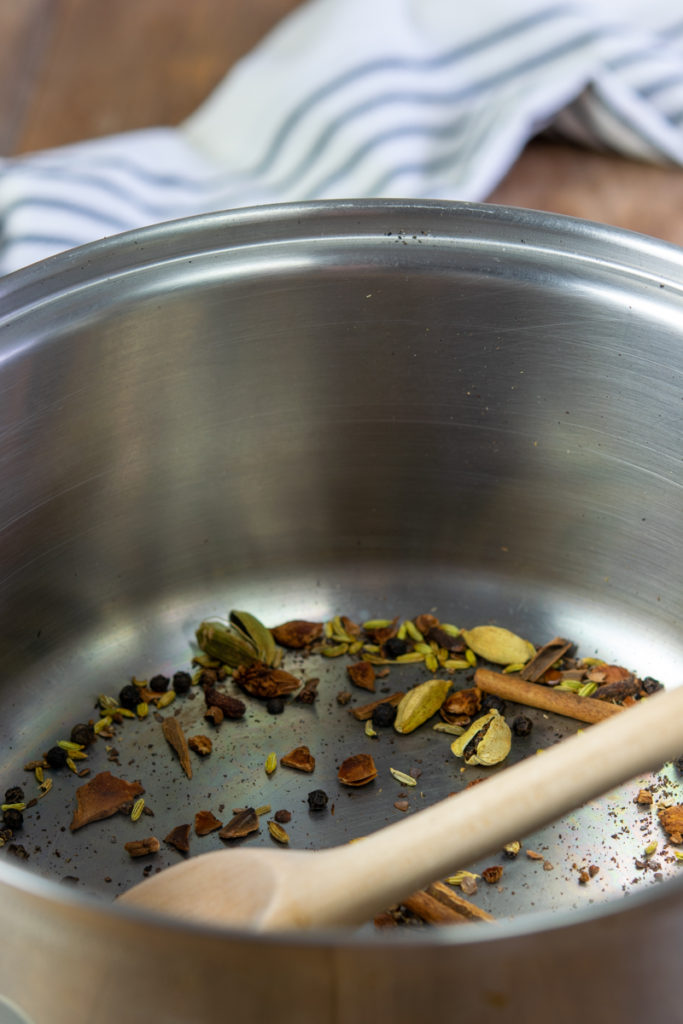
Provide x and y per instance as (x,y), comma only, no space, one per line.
(270,889)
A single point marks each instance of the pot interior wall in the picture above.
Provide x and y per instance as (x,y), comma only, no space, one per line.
(378,416)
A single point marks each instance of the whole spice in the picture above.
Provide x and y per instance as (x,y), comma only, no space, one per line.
(214,714)
(545,658)
(498,645)
(275,705)
(14,795)
(12,818)
(231,707)
(536,695)
(242,824)
(103,796)
(357,770)
(159,683)
(362,674)
(365,711)
(486,742)
(143,847)
(175,736)
(179,837)
(462,702)
(282,817)
(299,758)
(420,703)
(309,693)
(56,757)
(492,874)
(522,725)
(297,633)
(384,715)
(129,697)
(317,800)
(261,680)
(278,833)
(403,778)
(182,682)
(83,733)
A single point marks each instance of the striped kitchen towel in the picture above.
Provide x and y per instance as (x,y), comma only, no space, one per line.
(387,98)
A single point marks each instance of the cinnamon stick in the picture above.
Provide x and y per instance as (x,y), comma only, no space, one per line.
(535,695)
(437,904)
(544,658)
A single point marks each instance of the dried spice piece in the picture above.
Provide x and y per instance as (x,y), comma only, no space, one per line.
(261,680)
(83,733)
(535,695)
(384,715)
(227,645)
(379,631)
(511,850)
(271,763)
(544,658)
(137,809)
(343,697)
(317,800)
(498,645)
(205,822)
(242,824)
(299,758)
(297,633)
(278,833)
(462,702)
(283,817)
(308,695)
(253,630)
(102,797)
(143,847)
(644,797)
(493,874)
(175,736)
(604,673)
(618,690)
(458,910)
(403,778)
(180,838)
(231,707)
(486,742)
(214,714)
(362,674)
(365,711)
(420,703)
(357,770)
(671,819)
(201,745)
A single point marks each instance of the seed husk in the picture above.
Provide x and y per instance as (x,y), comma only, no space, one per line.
(254,632)
(278,833)
(357,770)
(498,645)
(227,645)
(206,822)
(242,824)
(299,758)
(420,703)
(362,674)
(179,837)
(403,778)
(334,650)
(487,741)
(271,763)
(297,633)
(138,808)
(175,736)
(369,731)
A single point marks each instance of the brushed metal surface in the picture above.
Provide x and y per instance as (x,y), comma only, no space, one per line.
(366,408)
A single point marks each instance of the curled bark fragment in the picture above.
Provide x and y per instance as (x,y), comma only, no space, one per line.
(180,838)
(364,711)
(545,658)
(102,797)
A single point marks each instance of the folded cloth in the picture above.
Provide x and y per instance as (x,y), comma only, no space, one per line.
(397,98)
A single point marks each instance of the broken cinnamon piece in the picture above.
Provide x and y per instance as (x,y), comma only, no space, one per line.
(362,674)
(102,797)
(299,758)
(385,920)
(142,847)
(180,838)
(438,904)
(535,695)
(173,732)
(243,824)
(545,658)
(297,633)
(364,712)
(468,910)
(205,822)
(608,674)
(461,703)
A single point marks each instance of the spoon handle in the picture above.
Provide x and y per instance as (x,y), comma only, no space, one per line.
(355,881)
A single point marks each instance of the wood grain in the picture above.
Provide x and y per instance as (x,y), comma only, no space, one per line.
(26,28)
(111,67)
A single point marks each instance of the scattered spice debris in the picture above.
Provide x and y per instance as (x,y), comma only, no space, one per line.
(102,797)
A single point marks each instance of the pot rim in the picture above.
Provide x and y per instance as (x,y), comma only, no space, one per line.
(640,257)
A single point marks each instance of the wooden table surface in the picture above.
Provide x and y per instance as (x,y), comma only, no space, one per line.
(73,69)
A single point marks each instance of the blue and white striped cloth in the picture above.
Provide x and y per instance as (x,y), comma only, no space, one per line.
(350,98)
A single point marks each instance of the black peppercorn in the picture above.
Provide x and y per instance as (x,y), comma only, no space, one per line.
(489,702)
(394,647)
(182,682)
(522,725)
(83,733)
(56,757)
(317,800)
(651,685)
(159,683)
(275,705)
(383,714)
(14,795)
(13,819)
(129,697)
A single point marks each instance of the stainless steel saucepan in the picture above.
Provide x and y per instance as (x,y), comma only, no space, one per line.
(371,409)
